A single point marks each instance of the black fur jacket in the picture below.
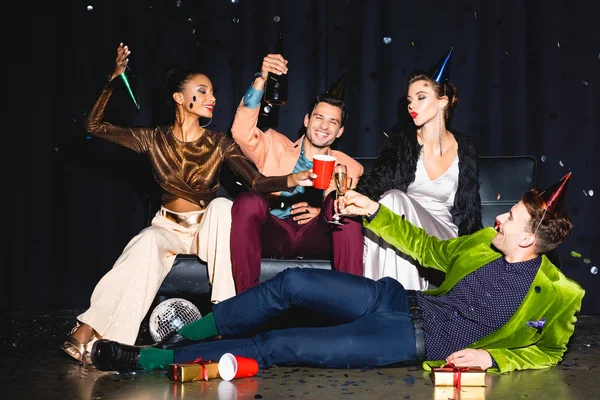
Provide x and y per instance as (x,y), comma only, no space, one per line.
(396,165)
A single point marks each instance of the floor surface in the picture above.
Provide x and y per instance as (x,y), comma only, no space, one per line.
(33,367)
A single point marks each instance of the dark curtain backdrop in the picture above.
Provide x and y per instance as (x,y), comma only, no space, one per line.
(527,74)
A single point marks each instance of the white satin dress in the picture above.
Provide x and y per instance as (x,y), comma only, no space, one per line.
(427,204)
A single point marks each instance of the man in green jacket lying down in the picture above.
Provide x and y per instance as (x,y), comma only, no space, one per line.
(503,305)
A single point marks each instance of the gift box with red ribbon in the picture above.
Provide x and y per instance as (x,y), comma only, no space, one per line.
(450,375)
(197,370)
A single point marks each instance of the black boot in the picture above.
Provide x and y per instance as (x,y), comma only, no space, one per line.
(113,356)
(174,340)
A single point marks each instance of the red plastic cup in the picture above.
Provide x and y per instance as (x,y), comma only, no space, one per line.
(233,367)
(323,167)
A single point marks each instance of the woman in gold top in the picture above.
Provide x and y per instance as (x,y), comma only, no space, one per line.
(186,159)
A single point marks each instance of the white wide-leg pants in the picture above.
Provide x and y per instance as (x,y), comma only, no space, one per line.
(124,295)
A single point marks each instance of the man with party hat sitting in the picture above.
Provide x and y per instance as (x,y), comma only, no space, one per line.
(502,307)
(290,224)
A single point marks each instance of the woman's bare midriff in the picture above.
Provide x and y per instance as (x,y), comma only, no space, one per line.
(182,205)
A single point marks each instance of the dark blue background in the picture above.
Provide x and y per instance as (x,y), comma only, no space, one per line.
(527,74)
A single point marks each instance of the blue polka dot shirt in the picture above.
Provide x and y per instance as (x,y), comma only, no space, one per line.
(477,305)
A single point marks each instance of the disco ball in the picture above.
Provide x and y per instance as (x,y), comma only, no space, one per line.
(171,315)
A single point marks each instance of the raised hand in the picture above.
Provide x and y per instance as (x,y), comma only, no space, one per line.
(274,63)
(121,61)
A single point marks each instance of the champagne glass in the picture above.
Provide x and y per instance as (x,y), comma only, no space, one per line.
(342,183)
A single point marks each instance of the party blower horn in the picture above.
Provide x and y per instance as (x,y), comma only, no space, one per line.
(125,81)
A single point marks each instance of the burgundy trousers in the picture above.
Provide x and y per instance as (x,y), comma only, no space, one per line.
(256,233)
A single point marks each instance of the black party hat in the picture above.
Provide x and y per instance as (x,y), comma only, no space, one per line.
(338,89)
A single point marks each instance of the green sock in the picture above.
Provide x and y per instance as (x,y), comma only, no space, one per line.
(204,328)
(152,358)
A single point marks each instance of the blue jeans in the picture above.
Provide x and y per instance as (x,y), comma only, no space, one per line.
(369,322)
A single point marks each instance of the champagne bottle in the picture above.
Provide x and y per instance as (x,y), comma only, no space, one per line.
(276,87)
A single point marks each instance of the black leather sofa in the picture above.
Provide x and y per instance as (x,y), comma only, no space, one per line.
(503,180)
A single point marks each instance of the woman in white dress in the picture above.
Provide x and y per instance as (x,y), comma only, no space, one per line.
(427,173)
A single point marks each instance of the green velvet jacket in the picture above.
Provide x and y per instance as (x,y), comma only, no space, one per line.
(515,345)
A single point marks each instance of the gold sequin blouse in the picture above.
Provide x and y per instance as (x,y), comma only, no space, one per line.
(187,170)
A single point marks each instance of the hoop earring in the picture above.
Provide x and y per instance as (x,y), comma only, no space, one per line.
(207,124)
(177,121)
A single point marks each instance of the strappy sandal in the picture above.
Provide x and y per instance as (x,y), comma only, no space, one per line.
(74,347)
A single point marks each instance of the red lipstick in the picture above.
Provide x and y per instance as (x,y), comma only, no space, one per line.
(413,114)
